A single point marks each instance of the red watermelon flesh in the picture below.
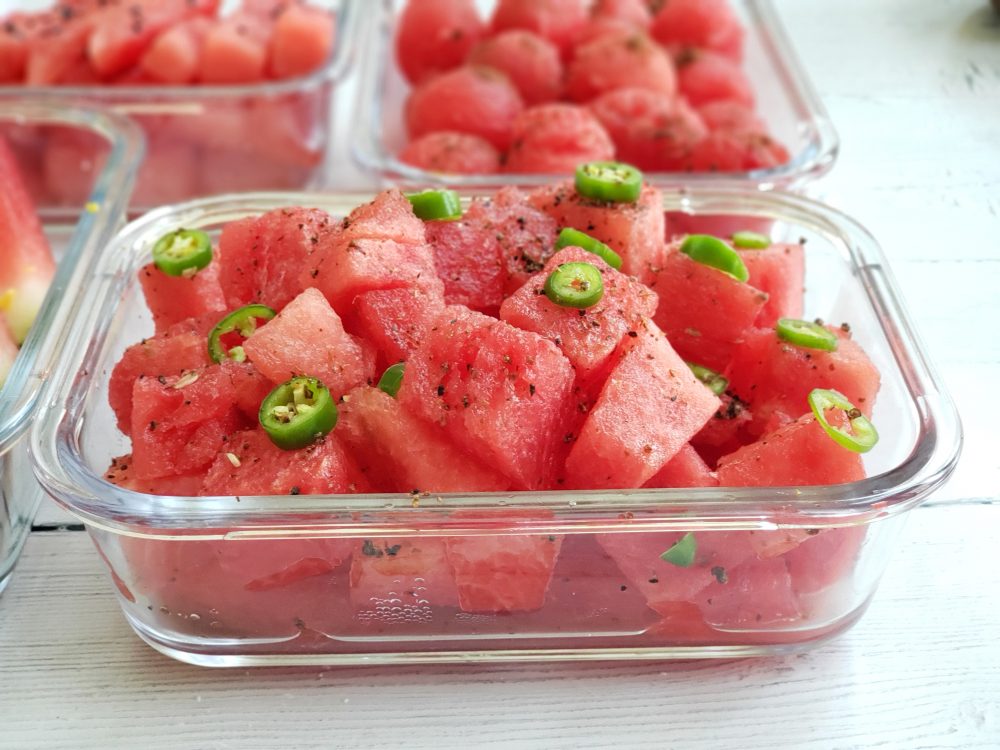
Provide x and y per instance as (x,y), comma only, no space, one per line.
(435,35)
(555,138)
(261,258)
(756,594)
(408,573)
(499,392)
(779,271)
(235,51)
(704,77)
(53,56)
(635,12)
(173,299)
(401,453)
(301,41)
(726,431)
(774,376)
(308,338)
(705,312)
(13,49)
(634,230)
(588,337)
(665,585)
(262,468)
(650,406)
(251,387)
(452,153)
(389,216)
(120,473)
(179,424)
(394,320)
(530,61)
(557,20)
(702,24)
(166,355)
(174,57)
(825,558)
(685,469)
(614,61)
(736,151)
(798,454)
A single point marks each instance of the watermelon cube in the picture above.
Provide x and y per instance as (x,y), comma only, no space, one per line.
(685,469)
(307,338)
(173,299)
(250,384)
(394,320)
(779,272)
(407,576)
(616,61)
(705,312)
(634,230)
(649,408)
(435,35)
(756,594)
(587,337)
(727,430)
(699,24)
(121,474)
(174,56)
(824,558)
(499,392)
(234,51)
(401,453)
(301,41)
(389,216)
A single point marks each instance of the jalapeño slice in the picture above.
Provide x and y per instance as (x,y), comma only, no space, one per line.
(862,436)
(392,378)
(436,205)
(806,334)
(244,322)
(183,252)
(711,251)
(748,240)
(611,181)
(573,238)
(575,285)
(713,380)
(298,413)
(682,552)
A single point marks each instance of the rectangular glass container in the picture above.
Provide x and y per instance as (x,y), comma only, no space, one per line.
(786,101)
(76,235)
(203,140)
(361,579)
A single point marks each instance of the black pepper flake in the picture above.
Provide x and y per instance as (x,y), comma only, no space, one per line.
(531,389)
(440,390)
(294,491)
(369,549)
(654,580)
(624,587)
(152,425)
(720,574)
(632,334)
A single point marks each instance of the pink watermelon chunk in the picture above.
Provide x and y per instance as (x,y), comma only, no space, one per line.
(13,49)
(235,51)
(452,153)
(635,12)
(704,77)
(179,424)
(702,24)
(301,41)
(250,385)
(307,338)
(262,468)
(434,36)
(776,377)
(798,454)
(408,573)
(261,258)
(120,473)
(172,299)
(499,392)
(726,431)
(174,57)
(779,271)
(394,320)
(705,312)
(389,216)
(824,558)
(588,337)
(401,453)
(685,469)
(756,594)
(559,21)
(530,61)
(650,406)
(634,230)
(55,56)
(615,61)
(555,138)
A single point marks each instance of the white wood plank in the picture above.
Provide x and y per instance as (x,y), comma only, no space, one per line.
(921,669)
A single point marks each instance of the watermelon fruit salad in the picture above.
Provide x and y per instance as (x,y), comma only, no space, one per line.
(124,53)
(26,263)
(543,85)
(546,340)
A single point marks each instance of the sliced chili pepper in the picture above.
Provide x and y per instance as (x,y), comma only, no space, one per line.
(682,552)
(610,181)
(392,378)
(715,382)
(713,252)
(436,205)
(183,252)
(244,322)
(748,240)
(806,334)
(575,285)
(298,413)
(863,435)
(574,238)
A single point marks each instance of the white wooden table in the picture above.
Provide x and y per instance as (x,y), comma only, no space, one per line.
(914,89)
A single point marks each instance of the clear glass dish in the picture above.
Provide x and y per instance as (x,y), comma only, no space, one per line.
(361,579)
(786,101)
(203,140)
(77,235)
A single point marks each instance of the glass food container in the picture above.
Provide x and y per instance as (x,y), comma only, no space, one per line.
(391,578)
(203,140)
(76,235)
(786,101)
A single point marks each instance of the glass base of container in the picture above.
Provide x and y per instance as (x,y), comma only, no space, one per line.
(290,653)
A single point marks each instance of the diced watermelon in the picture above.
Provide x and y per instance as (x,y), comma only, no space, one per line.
(179,423)
(262,468)
(52,55)
(705,312)
(778,270)
(824,558)
(234,51)
(530,61)
(685,469)
(726,431)
(301,41)
(735,151)
(555,138)
(704,77)
(471,99)
(261,258)
(172,299)
(13,50)
(703,24)
(308,338)
(634,230)
(250,385)
(408,575)
(557,20)
(774,376)
(401,453)
(174,57)
(389,216)
(588,337)
(452,153)
(394,320)
(798,454)
(120,473)
(500,393)
(26,265)
(435,35)
(726,114)
(615,61)
(650,406)
(756,594)
(599,26)
(635,12)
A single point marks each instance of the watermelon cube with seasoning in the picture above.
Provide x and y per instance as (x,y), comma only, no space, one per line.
(173,299)
(779,272)
(394,320)
(401,579)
